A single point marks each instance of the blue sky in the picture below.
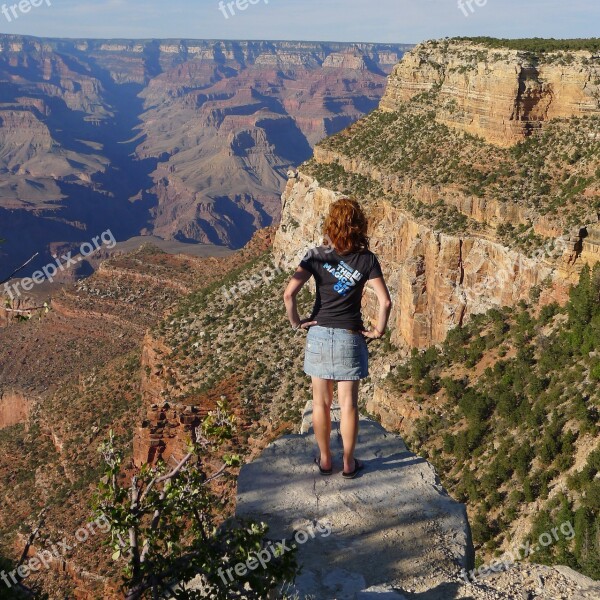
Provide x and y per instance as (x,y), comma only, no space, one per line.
(344,20)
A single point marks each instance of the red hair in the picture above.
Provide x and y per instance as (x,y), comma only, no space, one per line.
(346,226)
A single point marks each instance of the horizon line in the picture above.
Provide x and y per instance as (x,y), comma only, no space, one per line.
(200,39)
(314,41)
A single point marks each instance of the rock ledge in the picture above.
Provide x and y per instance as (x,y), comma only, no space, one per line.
(393,523)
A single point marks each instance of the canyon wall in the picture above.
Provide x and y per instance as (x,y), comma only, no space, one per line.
(186,139)
(501,95)
(436,280)
(403,500)
(440,275)
(483,210)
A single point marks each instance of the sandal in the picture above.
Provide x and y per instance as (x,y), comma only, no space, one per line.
(321,470)
(357,467)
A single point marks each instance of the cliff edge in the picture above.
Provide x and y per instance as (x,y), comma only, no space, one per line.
(480,178)
(503,95)
(391,533)
(393,525)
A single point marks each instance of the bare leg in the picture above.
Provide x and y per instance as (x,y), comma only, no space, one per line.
(348,399)
(322,400)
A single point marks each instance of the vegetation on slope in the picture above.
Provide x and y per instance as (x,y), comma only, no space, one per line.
(55,464)
(555,174)
(510,435)
(512,420)
(93,363)
(536,45)
(237,329)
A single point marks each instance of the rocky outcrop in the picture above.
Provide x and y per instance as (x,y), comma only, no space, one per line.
(15,408)
(501,95)
(165,433)
(392,524)
(167,425)
(391,533)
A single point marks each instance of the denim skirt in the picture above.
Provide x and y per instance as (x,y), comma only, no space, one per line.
(338,354)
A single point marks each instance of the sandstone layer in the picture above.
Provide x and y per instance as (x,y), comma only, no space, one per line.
(436,280)
(502,95)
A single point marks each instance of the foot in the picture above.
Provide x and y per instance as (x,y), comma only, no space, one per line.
(322,470)
(352,474)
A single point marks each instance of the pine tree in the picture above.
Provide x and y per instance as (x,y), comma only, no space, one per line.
(587,550)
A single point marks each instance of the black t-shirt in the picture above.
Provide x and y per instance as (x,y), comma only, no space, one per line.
(340,281)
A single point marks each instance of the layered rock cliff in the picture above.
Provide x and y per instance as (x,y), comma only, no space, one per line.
(436,280)
(462,224)
(502,95)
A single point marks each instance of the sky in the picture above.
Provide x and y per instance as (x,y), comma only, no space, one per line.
(392,21)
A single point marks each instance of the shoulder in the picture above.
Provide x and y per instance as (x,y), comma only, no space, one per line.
(314,252)
(321,251)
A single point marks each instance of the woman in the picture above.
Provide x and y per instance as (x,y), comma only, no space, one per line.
(336,344)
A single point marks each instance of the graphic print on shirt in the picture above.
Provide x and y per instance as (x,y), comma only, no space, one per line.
(347,276)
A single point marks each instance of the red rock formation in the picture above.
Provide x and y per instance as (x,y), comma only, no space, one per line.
(165,433)
(15,408)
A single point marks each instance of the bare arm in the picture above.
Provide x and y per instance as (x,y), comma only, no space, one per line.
(385,306)
(300,277)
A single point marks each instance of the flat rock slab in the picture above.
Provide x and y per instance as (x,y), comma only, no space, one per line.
(380,593)
(391,524)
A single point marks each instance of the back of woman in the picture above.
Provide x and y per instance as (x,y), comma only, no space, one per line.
(336,344)
(340,281)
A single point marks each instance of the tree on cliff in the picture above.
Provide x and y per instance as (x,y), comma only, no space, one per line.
(512,433)
(165,527)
